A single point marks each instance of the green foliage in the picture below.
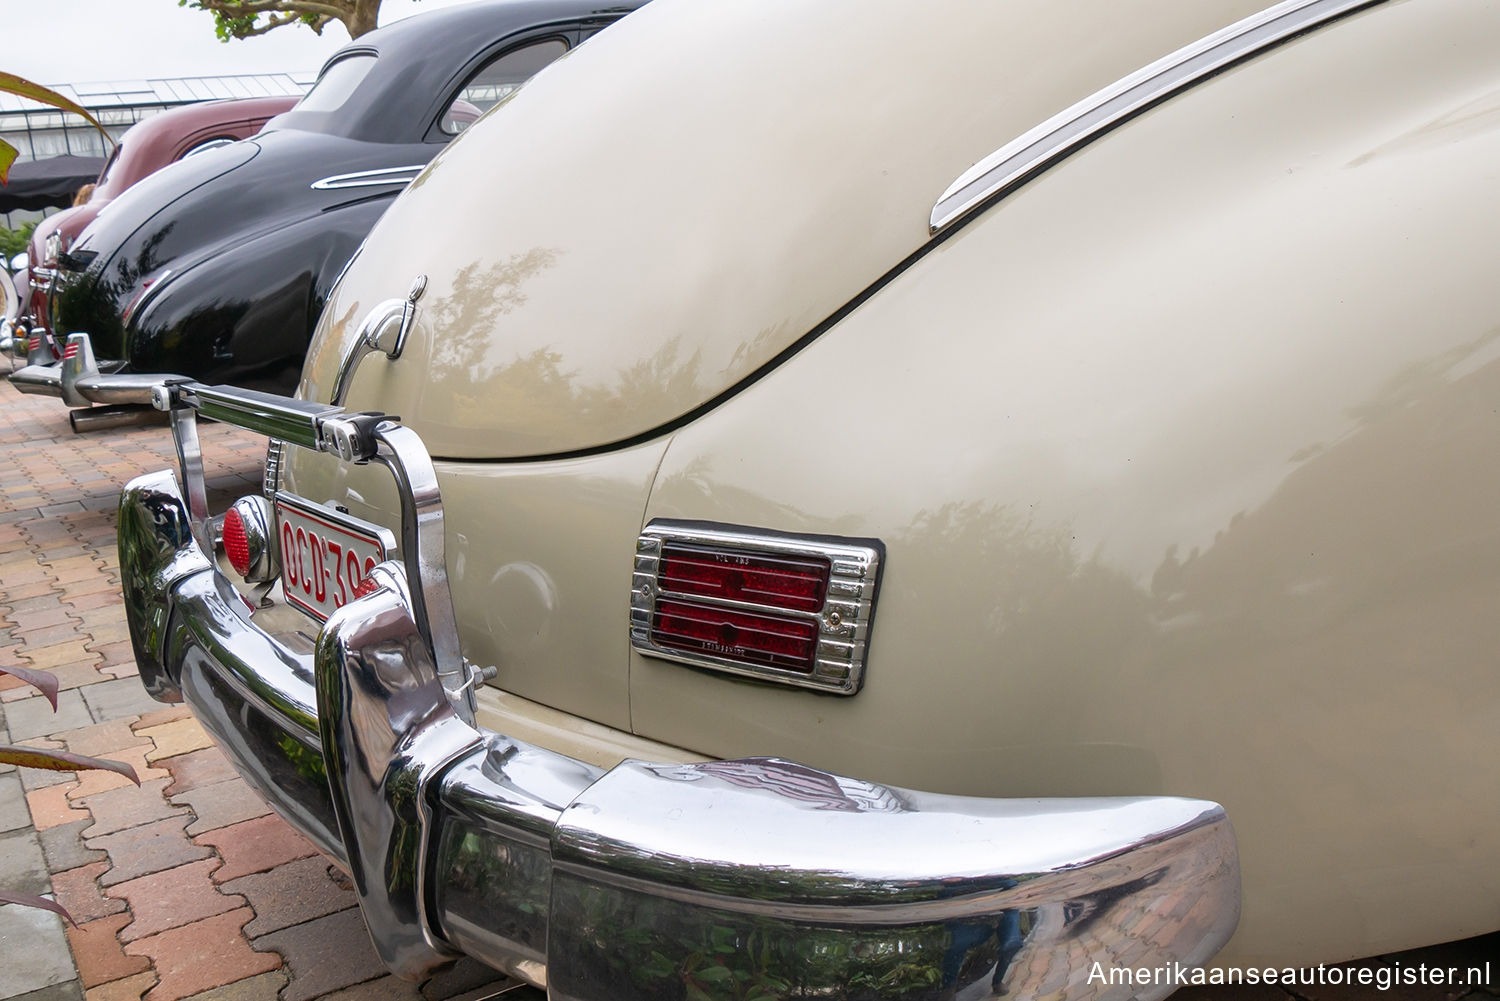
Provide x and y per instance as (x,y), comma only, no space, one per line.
(13,241)
(666,951)
(248,18)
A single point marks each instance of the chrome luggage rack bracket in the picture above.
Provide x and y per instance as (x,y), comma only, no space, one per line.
(357,437)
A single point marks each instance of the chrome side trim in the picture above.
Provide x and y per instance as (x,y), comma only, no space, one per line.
(1070,130)
(369,178)
(843,622)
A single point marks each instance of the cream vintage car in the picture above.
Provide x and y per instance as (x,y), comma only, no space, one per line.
(1083,413)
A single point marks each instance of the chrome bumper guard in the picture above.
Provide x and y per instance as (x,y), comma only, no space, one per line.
(748,878)
(77,380)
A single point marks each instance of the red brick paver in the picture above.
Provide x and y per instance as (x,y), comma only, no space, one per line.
(204,954)
(198,768)
(255,846)
(97,951)
(172,898)
(78,891)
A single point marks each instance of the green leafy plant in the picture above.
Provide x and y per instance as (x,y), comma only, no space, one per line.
(12,84)
(56,761)
(13,241)
(247,18)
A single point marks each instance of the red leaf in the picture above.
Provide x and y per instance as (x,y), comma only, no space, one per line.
(27,900)
(42,681)
(62,761)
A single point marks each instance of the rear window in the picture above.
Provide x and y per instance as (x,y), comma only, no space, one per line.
(114,158)
(336,84)
(496,81)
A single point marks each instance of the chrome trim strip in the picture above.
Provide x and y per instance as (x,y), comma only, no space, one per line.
(369,178)
(294,421)
(1068,131)
(843,622)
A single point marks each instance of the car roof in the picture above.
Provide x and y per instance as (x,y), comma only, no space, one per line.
(151,143)
(421,58)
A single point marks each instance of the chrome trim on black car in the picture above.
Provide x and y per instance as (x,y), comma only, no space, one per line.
(369,178)
(1070,130)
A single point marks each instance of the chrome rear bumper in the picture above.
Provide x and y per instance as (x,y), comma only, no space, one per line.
(77,380)
(636,881)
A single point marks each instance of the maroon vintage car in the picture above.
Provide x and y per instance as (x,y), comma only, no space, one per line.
(146,147)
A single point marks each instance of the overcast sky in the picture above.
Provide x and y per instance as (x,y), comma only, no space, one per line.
(86,41)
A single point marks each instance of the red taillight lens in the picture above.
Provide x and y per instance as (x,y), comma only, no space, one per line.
(365,586)
(792,582)
(793,609)
(789,644)
(236,542)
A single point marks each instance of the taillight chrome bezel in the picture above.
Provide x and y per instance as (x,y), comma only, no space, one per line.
(259,523)
(843,622)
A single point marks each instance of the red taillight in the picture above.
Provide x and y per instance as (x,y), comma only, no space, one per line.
(794,609)
(365,586)
(236,542)
(792,582)
(789,644)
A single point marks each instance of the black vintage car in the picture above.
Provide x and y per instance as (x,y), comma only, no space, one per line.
(217,267)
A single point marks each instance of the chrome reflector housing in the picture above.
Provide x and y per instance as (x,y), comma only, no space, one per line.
(841,620)
(257,523)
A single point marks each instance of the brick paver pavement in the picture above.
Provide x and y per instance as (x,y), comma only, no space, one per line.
(186,888)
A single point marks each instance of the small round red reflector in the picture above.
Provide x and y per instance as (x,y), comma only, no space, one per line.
(236,544)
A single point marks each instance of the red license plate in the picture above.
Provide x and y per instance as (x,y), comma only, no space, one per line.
(325,554)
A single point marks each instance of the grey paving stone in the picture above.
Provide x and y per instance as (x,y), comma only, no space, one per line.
(387,988)
(264,987)
(22,867)
(220,805)
(70,991)
(64,849)
(38,778)
(109,700)
(13,812)
(35,950)
(324,955)
(462,978)
(290,894)
(34,717)
(140,851)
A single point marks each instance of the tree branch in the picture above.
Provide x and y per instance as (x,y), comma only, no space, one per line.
(242,18)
